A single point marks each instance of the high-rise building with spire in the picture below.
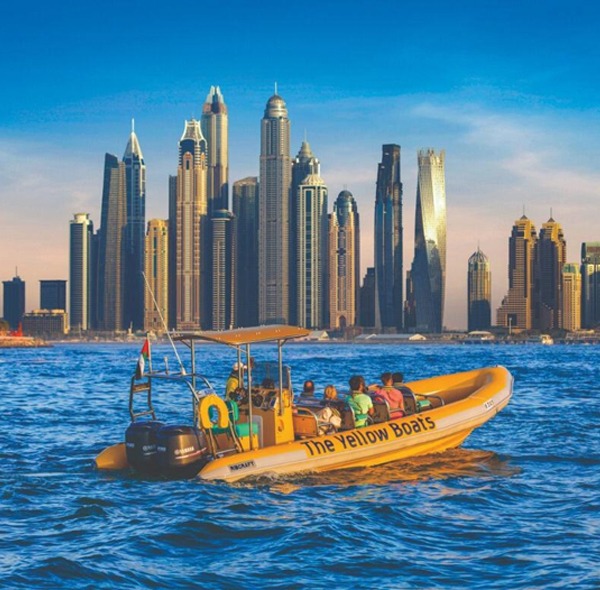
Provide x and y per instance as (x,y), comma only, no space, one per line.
(245,210)
(214,124)
(590,284)
(111,268)
(479,292)
(344,262)
(571,297)
(273,208)
(388,241)
(81,275)
(515,312)
(311,253)
(188,223)
(135,186)
(428,272)
(156,299)
(303,165)
(550,257)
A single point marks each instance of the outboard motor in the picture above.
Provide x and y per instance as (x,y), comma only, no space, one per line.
(140,444)
(182,450)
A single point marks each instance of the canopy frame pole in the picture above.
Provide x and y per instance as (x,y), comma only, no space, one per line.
(249,397)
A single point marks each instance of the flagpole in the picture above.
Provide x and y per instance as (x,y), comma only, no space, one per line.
(164,324)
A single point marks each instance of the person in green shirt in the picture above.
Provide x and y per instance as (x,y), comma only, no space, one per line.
(360,403)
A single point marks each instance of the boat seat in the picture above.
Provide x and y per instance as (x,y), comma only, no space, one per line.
(381,410)
(348,422)
(429,402)
(242,429)
(410,401)
(305,423)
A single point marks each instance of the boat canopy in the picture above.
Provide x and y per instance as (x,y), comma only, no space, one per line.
(243,336)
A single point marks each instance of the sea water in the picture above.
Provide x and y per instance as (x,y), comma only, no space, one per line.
(517,506)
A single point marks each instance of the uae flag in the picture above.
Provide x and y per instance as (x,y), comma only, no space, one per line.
(141,364)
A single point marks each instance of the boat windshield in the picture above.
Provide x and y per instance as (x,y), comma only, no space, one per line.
(266,374)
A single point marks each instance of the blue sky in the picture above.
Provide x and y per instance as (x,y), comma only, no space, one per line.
(508,89)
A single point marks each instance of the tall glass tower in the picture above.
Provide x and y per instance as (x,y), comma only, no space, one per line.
(344,262)
(590,284)
(273,212)
(14,301)
(311,252)
(214,123)
(479,291)
(157,274)
(135,183)
(111,269)
(223,281)
(571,297)
(245,210)
(188,225)
(388,240)
(81,277)
(428,272)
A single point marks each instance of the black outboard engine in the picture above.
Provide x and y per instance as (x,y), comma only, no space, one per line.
(182,451)
(140,444)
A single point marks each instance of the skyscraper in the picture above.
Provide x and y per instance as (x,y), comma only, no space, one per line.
(367,299)
(245,210)
(135,186)
(81,273)
(311,252)
(14,301)
(53,294)
(303,165)
(516,308)
(110,246)
(571,297)
(479,291)
(222,270)
(428,272)
(344,262)
(388,240)
(590,284)
(156,294)
(550,257)
(214,123)
(273,209)
(189,226)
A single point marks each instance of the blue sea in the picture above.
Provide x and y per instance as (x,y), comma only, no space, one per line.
(517,506)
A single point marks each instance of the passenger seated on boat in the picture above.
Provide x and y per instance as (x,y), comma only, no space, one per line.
(393,396)
(329,418)
(268,383)
(360,403)
(309,389)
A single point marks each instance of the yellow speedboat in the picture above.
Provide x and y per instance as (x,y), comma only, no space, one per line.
(268,432)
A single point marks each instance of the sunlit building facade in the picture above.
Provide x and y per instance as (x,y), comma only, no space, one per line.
(571,297)
(428,272)
(344,262)
(273,210)
(515,312)
(479,292)
(188,223)
(156,299)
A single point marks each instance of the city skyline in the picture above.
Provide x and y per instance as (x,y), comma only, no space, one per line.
(512,120)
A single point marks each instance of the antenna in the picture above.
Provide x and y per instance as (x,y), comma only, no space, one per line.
(162,319)
(132,125)
(275,87)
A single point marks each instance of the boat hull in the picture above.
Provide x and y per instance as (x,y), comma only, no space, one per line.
(480,395)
